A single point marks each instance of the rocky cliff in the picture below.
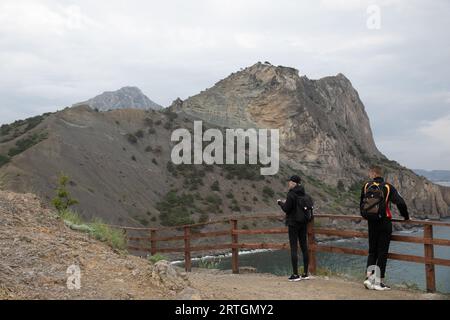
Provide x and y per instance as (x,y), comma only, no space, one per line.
(126,97)
(324,129)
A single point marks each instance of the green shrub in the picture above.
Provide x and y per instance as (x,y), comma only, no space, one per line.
(139,134)
(215,186)
(151,130)
(26,143)
(131,138)
(154,161)
(268,192)
(4,160)
(156,257)
(70,216)
(209,263)
(63,199)
(148,149)
(174,209)
(171,115)
(148,122)
(115,238)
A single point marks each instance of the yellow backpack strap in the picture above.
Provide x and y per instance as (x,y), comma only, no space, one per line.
(388,193)
(365,187)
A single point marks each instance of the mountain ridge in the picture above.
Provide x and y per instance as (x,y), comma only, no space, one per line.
(123,98)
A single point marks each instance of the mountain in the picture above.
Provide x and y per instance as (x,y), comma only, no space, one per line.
(120,169)
(438,176)
(324,129)
(124,98)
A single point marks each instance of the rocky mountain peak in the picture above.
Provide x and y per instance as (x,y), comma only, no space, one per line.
(124,98)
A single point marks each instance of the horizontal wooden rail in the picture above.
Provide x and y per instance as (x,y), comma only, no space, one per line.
(190,233)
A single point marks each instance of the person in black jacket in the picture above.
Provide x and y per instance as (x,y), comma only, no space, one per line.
(380,230)
(296,227)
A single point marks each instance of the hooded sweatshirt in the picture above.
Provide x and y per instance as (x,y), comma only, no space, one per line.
(290,205)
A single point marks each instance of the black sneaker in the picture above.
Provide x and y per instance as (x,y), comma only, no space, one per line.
(305,277)
(294,277)
(381,287)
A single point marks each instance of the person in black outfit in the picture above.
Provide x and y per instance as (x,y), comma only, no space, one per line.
(297,229)
(380,230)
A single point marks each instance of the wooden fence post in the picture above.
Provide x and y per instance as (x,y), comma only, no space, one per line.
(429,254)
(152,242)
(311,248)
(235,249)
(187,249)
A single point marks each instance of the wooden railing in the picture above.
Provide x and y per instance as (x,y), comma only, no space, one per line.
(153,239)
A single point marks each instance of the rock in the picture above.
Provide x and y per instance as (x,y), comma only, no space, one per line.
(189,293)
(169,276)
(244,270)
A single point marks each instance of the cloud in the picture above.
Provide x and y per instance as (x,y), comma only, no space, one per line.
(438,130)
(55,53)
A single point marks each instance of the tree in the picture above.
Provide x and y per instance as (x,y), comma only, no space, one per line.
(63,199)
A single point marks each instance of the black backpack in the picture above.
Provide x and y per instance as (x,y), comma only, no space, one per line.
(373,206)
(304,211)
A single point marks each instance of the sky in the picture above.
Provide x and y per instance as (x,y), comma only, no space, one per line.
(396,53)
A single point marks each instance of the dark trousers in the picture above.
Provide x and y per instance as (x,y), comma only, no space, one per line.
(379,239)
(298,234)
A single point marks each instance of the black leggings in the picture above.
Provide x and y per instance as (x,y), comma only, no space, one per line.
(298,234)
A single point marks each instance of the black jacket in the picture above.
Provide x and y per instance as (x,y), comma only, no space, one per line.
(290,205)
(394,197)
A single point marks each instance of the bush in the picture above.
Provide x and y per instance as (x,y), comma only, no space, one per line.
(148,122)
(139,134)
(174,209)
(215,186)
(268,192)
(148,149)
(70,216)
(63,199)
(151,130)
(4,160)
(154,161)
(115,238)
(132,138)
(26,143)
(209,263)
(156,257)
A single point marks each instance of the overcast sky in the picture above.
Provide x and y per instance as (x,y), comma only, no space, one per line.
(56,53)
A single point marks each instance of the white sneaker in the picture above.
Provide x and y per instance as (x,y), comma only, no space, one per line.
(368,284)
(381,287)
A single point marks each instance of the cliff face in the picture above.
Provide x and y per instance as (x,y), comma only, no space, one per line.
(324,129)
(323,125)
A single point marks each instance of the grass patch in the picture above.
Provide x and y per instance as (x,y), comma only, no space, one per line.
(156,257)
(97,229)
(115,238)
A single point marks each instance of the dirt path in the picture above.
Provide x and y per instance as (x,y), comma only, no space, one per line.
(220,285)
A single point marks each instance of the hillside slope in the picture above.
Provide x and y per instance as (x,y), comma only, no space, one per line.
(36,248)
